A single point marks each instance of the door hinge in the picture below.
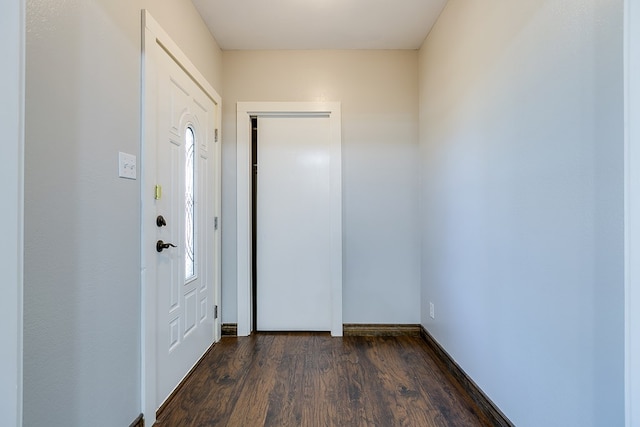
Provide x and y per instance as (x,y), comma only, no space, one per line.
(215,311)
(215,223)
(215,135)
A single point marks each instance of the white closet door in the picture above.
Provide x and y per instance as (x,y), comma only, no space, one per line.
(293,224)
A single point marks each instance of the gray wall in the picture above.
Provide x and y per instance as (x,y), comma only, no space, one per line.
(521,107)
(379,95)
(82,231)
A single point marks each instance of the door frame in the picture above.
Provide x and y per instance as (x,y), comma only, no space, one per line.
(12,77)
(152,35)
(632,210)
(246,110)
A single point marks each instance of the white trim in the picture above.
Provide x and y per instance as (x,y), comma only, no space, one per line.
(152,34)
(632,212)
(244,112)
(12,33)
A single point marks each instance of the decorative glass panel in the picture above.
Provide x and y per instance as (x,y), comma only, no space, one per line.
(189,252)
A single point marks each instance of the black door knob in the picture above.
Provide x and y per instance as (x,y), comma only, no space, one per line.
(160,245)
(160,222)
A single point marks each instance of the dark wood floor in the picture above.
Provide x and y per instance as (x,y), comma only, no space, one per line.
(315,380)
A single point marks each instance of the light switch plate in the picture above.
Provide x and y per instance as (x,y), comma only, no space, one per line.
(127,166)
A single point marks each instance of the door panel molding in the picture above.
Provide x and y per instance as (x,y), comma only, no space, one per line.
(245,110)
(153,38)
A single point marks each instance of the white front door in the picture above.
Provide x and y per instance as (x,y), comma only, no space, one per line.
(185,200)
(180,205)
(293,256)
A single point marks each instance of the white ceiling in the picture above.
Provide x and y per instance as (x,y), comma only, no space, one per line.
(319,24)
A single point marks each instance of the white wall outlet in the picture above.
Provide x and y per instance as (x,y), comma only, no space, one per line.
(432,310)
(127,167)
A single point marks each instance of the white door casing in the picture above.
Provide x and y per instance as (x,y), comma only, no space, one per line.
(246,110)
(12,28)
(178,322)
(293,226)
(632,212)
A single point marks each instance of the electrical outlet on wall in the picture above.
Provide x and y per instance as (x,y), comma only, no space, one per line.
(432,310)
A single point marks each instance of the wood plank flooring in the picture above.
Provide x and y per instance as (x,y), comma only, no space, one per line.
(314,380)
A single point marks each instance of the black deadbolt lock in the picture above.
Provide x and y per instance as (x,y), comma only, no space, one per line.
(160,222)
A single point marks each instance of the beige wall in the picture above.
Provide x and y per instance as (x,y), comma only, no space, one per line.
(82,230)
(379,95)
(521,128)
